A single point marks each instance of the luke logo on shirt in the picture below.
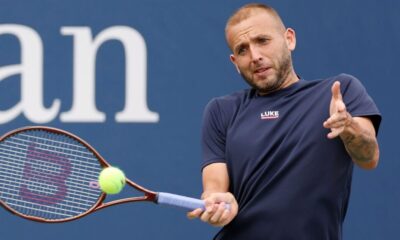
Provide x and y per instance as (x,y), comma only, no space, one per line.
(269,115)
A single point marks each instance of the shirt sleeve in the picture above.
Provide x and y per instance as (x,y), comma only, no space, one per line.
(357,100)
(213,134)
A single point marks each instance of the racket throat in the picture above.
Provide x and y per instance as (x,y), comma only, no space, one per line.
(150,196)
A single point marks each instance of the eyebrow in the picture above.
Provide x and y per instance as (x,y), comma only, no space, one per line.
(263,35)
(255,38)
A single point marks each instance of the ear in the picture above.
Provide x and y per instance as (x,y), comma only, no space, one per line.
(290,37)
(233,60)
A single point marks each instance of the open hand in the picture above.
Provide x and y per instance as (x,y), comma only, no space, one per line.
(339,117)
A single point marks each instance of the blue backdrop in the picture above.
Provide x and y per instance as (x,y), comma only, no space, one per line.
(187,64)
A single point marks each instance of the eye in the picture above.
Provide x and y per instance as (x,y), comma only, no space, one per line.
(263,40)
(241,51)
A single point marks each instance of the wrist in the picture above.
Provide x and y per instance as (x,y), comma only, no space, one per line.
(348,124)
(207,193)
(348,132)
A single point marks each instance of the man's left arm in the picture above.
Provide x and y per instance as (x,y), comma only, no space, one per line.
(357,133)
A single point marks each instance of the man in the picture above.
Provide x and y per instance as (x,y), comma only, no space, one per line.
(281,154)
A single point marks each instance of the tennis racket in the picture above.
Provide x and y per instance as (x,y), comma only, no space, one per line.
(50,175)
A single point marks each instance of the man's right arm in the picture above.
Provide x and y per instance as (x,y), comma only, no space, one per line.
(216,196)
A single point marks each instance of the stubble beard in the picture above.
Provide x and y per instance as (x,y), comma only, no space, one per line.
(283,70)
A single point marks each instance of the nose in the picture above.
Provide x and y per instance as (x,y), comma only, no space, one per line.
(255,54)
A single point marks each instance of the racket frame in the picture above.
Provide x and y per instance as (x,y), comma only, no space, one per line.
(148,196)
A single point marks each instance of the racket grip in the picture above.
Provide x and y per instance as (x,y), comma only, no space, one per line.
(179,201)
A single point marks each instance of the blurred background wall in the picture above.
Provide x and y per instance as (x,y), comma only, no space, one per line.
(132,78)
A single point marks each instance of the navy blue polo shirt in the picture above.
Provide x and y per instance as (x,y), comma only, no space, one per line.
(290,180)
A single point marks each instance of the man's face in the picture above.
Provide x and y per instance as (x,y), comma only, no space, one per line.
(262,51)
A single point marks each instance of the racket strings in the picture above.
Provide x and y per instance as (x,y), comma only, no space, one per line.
(47,175)
(49,168)
(18,158)
(43,189)
(80,151)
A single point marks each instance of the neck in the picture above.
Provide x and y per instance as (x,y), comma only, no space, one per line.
(291,79)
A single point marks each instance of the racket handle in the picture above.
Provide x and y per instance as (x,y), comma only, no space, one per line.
(180,201)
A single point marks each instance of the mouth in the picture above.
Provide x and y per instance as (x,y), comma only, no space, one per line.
(262,70)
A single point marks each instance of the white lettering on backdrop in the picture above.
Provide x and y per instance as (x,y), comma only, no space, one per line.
(84,68)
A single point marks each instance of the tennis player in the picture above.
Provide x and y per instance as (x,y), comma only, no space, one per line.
(282,152)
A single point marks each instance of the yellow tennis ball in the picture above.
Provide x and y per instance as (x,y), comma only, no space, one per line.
(111,180)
